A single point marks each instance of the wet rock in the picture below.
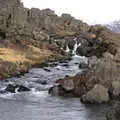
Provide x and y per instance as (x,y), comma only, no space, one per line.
(20,88)
(99,94)
(2,91)
(54,90)
(65,65)
(47,70)
(76,63)
(114,112)
(10,88)
(72,86)
(65,87)
(58,90)
(83,65)
(66,76)
(53,64)
(42,82)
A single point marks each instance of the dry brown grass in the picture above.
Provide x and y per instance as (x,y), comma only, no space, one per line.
(10,55)
(13,61)
(32,55)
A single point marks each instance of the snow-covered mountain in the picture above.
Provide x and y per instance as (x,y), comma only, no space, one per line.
(114,26)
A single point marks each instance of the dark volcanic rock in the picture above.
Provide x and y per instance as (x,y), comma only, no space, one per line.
(42,82)
(47,70)
(10,88)
(83,65)
(20,88)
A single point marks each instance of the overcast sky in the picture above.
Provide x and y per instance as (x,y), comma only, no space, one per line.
(90,11)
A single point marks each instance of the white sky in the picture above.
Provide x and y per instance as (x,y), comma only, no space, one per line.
(90,11)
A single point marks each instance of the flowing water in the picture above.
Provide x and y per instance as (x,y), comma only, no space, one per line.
(38,104)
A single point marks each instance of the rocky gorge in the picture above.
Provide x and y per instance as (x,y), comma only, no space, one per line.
(33,38)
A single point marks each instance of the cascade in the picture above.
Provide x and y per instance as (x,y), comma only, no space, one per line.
(75,47)
(67,49)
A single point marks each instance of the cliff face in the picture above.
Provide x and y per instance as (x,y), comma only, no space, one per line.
(25,36)
(17,21)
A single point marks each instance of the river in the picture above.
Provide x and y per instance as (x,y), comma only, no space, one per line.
(38,104)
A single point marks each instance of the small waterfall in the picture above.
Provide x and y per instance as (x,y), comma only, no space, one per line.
(75,48)
(67,49)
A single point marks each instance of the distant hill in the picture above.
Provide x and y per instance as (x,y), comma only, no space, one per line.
(114,26)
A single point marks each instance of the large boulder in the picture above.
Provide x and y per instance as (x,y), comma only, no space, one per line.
(98,94)
(58,90)
(104,71)
(70,86)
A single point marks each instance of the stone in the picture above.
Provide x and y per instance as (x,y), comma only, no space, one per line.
(58,90)
(54,91)
(10,88)
(20,88)
(83,65)
(47,70)
(99,94)
(68,84)
(42,82)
